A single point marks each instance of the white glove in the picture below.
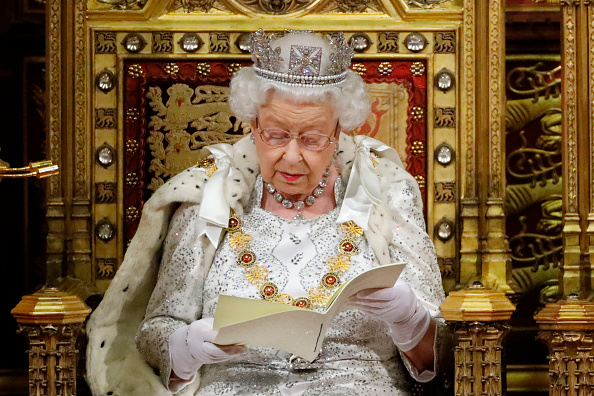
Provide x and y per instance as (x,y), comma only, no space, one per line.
(398,306)
(190,347)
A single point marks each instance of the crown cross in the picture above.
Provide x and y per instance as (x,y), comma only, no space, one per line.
(305,60)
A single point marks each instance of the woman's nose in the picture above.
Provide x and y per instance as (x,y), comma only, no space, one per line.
(292,152)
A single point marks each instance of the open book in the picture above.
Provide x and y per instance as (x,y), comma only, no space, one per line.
(299,331)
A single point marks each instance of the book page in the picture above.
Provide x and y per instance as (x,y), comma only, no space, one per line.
(296,330)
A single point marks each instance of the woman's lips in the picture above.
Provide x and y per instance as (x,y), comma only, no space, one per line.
(290,177)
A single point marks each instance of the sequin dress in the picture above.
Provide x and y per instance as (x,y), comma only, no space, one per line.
(358,356)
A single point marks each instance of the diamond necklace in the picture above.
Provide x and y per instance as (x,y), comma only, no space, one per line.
(299,205)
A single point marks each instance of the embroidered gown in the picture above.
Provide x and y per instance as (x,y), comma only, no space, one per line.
(358,356)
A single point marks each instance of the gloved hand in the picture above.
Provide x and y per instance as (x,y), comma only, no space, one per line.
(398,306)
(190,347)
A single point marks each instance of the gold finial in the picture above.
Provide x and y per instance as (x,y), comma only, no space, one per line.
(50,306)
(477,304)
(571,313)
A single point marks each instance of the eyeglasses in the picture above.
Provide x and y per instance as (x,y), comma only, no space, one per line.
(308,140)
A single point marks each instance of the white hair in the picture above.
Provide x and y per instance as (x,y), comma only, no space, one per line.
(349,98)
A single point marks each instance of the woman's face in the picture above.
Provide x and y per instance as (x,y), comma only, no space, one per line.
(293,170)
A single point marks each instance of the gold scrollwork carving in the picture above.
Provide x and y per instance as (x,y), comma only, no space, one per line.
(54,93)
(531,81)
(275,6)
(81,187)
(566,349)
(426,4)
(570,106)
(543,162)
(105,192)
(538,170)
(125,4)
(469,117)
(544,248)
(445,42)
(352,6)
(52,349)
(192,5)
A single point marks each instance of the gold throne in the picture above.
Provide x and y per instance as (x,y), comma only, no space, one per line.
(146,82)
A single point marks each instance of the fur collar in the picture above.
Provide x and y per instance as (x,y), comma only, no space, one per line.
(114,365)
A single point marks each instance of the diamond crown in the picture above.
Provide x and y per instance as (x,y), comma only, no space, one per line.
(301,58)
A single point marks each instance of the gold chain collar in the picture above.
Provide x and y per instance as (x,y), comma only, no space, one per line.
(257,274)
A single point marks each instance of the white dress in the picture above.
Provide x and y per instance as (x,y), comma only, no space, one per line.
(358,356)
(160,286)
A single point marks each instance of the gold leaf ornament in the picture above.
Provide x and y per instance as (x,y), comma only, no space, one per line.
(208,165)
(257,274)
(240,241)
(318,296)
(339,263)
(351,229)
(283,299)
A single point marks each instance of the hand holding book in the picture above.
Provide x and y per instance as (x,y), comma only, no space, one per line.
(299,331)
(398,306)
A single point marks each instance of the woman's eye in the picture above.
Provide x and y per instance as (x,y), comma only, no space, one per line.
(309,139)
(277,134)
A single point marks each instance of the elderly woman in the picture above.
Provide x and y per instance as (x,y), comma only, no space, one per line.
(268,218)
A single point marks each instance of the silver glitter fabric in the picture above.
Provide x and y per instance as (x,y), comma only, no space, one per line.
(358,356)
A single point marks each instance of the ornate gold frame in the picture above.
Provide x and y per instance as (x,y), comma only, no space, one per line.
(72,212)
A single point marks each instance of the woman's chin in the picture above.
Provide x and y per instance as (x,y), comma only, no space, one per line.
(293,191)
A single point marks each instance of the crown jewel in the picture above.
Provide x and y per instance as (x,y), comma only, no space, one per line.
(301,58)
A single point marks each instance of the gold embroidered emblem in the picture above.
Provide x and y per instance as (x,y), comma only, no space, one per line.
(351,229)
(339,263)
(208,165)
(318,296)
(189,119)
(257,274)
(373,157)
